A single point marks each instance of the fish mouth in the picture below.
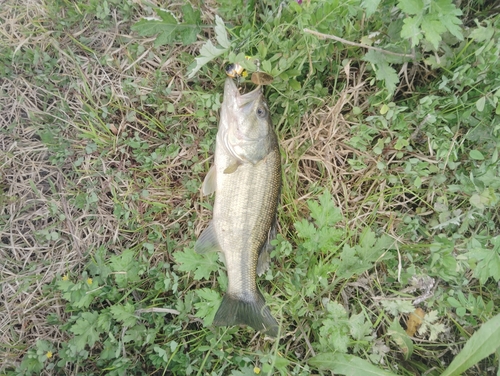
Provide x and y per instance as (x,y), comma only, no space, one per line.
(233,95)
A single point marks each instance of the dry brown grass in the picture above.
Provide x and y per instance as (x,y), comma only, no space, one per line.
(30,187)
(35,192)
(39,195)
(319,154)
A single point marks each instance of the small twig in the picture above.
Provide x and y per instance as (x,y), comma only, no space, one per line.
(124,351)
(345,41)
(304,335)
(166,310)
(400,264)
(158,310)
(417,129)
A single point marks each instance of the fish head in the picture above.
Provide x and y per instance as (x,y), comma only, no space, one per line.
(245,125)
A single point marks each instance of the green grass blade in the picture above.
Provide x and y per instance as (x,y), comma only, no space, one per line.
(484,342)
(348,365)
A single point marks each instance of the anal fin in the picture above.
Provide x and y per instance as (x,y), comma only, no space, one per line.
(265,252)
(207,242)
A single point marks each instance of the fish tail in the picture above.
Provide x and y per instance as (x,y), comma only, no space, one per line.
(254,313)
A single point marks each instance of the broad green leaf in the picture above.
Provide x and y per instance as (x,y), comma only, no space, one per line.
(375,57)
(190,15)
(480,104)
(395,307)
(208,52)
(489,262)
(360,258)
(367,238)
(360,327)
(207,308)
(401,143)
(401,338)
(189,35)
(334,330)
(444,8)
(384,109)
(221,33)
(433,29)
(104,321)
(384,72)
(411,6)
(125,267)
(305,229)
(124,314)
(478,201)
(411,30)
(417,182)
(85,330)
(325,213)
(201,264)
(476,155)
(370,6)
(32,364)
(294,84)
(351,263)
(483,343)
(166,16)
(442,17)
(481,34)
(168,28)
(452,25)
(167,36)
(146,27)
(320,235)
(279,364)
(454,302)
(349,365)
(496,243)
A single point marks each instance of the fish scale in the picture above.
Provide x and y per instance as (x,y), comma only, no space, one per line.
(247,208)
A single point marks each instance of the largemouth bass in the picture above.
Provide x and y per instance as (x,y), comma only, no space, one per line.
(246,179)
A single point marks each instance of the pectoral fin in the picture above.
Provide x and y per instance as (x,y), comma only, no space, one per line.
(232,167)
(207,242)
(210,183)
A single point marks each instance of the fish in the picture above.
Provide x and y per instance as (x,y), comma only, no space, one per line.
(246,179)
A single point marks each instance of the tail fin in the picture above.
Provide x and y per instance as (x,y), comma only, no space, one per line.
(255,313)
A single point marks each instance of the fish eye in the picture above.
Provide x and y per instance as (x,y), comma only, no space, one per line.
(261,112)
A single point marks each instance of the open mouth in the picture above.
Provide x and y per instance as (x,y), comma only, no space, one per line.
(231,92)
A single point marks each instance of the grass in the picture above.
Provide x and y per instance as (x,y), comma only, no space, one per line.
(390,194)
